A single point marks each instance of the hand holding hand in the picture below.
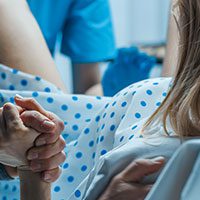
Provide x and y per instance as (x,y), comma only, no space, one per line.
(15,137)
(47,154)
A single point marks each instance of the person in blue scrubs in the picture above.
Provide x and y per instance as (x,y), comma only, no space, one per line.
(87,34)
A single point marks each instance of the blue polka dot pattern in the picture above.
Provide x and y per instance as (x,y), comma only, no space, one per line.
(24,82)
(77,193)
(149,92)
(103,152)
(75,98)
(3,76)
(112,128)
(77,115)
(94,126)
(35,94)
(11,87)
(64,107)
(37,78)
(50,100)
(97,119)
(89,106)
(112,114)
(65,166)
(91,143)
(138,115)
(70,179)
(47,89)
(87,130)
(15,71)
(124,104)
(83,168)
(143,103)
(57,189)
(75,127)
(79,155)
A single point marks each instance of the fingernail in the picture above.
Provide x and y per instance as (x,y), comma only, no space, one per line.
(35,166)
(48,124)
(19,96)
(32,156)
(40,142)
(159,159)
(47,177)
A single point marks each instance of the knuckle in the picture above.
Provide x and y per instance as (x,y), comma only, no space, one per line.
(61,124)
(7,105)
(35,115)
(138,163)
(63,157)
(14,126)
(46,164)
(62,143)
(31,101)
(45,154)
(117,179)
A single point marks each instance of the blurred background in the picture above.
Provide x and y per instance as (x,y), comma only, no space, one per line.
(136,22)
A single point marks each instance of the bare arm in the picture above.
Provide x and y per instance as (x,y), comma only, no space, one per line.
(22,45)
(170,62)
(41,189)
(85,76)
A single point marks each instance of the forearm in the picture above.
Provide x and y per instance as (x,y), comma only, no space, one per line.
(32,187)
(22,45)
(85,76)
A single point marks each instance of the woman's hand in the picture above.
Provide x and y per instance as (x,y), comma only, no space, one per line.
(126,185)
(15,137)
(47,154)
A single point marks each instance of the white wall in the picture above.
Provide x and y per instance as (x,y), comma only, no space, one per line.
(140,21)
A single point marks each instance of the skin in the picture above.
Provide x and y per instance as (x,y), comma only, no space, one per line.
(127,184)
(51,139)
(47,154)
(17,51)
(25,48)
(170,61)
(85,76)
(16,139)
(29,58)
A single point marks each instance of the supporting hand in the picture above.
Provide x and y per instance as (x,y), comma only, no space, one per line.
(126,185)
(46,155)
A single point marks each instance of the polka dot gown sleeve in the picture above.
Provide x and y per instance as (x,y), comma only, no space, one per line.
(94,126)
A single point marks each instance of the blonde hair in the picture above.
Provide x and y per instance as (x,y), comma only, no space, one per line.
(182,104)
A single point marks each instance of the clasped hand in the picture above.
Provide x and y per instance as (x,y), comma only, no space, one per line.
(30,138)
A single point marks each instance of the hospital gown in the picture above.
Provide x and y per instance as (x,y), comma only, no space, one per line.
(94,126)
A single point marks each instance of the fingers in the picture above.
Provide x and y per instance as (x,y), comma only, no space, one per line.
(37,121)
(47,151)
(137,170)
(29,104)
(143,190)
(51,176)
(51,138)
(11,116)
(47,164)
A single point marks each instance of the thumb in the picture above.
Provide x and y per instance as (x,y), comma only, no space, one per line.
(138,169)
(11,117)
(29,104)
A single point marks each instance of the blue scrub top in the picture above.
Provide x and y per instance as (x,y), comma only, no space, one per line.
(86,27)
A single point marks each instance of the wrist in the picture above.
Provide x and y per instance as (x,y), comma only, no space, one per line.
(32,187)
(12,171)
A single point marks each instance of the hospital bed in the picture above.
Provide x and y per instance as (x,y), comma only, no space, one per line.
(180,179)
